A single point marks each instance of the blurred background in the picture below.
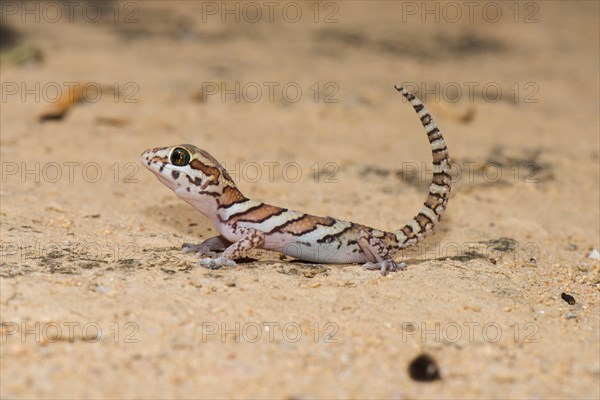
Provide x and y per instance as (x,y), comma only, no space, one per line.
(296,99)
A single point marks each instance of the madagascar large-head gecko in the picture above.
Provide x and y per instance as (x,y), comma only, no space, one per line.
(198,178)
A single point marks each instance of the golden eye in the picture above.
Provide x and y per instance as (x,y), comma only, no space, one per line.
(180,157)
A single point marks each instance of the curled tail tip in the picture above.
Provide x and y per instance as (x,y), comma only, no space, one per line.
(435,205)
(408,95)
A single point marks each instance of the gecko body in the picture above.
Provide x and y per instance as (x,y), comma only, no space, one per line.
(200,180)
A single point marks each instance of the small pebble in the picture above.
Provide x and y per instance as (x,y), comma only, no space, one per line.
(594,254)
(531,263)
(424,369)
(568,298)
(571,315)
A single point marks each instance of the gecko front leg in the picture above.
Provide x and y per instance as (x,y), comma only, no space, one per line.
(207,247)
(377,254)
(251,239)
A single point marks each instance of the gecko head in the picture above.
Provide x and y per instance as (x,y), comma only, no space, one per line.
(186,169)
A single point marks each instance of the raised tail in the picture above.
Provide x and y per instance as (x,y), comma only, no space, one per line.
(439,191)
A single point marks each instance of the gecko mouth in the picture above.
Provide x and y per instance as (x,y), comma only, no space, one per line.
(168,183)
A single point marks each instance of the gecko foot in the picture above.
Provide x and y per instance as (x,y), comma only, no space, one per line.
(384,266)
(206,248)
(216,263)
(199,249)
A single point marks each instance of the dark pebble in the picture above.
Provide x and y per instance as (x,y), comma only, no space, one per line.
(568,298)
(424,369)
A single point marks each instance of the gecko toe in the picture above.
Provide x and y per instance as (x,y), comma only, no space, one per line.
(216,263)
(369,266)
(202,253)
(199,249)
(209,263)
(189,248)
(384,266)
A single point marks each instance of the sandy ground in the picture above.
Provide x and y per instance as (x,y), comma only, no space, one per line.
(97,300)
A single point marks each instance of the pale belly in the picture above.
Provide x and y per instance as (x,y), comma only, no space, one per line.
(306,250)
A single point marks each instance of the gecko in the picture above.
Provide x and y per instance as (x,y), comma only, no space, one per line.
(244,224)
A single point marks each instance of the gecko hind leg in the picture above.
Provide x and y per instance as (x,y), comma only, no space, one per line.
(207,247)
(377,255)
(252,239)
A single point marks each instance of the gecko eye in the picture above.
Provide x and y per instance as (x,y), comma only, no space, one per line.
(180,157)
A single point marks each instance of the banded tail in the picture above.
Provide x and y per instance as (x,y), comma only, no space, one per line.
(439,191)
